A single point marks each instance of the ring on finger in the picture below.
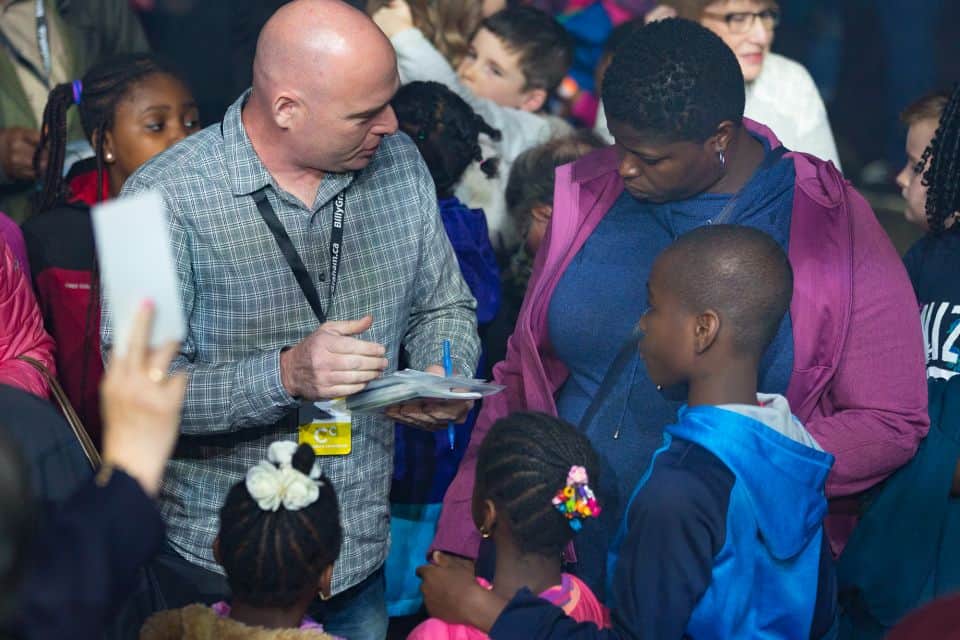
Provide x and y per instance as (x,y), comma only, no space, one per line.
(157,375)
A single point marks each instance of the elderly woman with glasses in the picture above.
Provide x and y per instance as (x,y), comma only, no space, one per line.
(780,92)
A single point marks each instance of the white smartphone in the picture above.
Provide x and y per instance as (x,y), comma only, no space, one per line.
(136,264)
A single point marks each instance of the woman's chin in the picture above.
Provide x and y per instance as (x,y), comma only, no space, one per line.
(644,196)
(751,66)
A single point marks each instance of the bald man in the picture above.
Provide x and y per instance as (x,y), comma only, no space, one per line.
(309,250)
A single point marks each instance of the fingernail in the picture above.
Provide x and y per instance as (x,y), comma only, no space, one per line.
(148,303)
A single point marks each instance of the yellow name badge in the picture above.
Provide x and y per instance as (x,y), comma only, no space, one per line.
(326,428)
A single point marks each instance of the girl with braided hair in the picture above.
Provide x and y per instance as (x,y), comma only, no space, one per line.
(447,133)
(279,537)
(532,494)
(132,108)
(930,183)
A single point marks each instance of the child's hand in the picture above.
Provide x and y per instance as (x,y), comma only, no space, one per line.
(451,593)
(394,18)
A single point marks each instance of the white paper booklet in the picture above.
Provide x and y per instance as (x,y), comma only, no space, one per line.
(402,386)
(136,264)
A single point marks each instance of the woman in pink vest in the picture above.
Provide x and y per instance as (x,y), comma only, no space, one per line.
(848,357)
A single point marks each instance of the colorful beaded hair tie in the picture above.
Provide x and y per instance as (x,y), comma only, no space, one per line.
(576,500)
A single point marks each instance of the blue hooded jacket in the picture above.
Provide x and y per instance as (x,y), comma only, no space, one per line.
(723,537)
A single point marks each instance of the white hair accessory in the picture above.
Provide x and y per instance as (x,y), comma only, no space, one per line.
(281,453)
(275,481)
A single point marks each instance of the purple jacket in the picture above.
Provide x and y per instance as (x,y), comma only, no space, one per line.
(858,382)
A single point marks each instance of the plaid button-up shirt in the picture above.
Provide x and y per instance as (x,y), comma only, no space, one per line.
(243,306)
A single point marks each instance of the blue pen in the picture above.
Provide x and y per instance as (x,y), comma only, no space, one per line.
(448,371)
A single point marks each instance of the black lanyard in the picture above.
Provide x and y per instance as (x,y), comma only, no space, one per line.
(293,258)
(43,44)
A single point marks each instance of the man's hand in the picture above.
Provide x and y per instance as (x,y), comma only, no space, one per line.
(141,405)
(394,18)
(430,414)
(451,593)
(330,363)
(17,147)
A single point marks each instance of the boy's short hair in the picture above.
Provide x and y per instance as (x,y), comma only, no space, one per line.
(740,272)
(929,107)
(545,47)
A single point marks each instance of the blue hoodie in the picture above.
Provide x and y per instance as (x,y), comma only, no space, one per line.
(722,537)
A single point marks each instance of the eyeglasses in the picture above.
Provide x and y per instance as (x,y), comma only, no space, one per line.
(742,21)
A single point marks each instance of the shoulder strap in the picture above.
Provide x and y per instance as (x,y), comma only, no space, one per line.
(627,351)
(76,425)
(290,253)
(629,347)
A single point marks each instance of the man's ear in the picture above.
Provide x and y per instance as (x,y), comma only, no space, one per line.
(705,330)
(533,100)
(326,578)
(285,110)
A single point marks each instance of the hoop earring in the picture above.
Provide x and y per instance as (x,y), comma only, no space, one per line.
(723,160)
(484,533)
(324,597)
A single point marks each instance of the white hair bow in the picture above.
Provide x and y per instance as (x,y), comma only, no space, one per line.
(275,481)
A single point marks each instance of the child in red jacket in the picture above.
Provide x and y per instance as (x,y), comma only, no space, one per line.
(132,108)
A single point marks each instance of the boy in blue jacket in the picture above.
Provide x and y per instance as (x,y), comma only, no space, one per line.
(723,535)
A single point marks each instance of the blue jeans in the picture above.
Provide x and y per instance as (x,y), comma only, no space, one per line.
(359,613)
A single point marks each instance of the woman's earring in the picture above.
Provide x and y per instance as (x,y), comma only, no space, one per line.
(108,156)
(324,596)
(723,161)
(659,387)
(484,532)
